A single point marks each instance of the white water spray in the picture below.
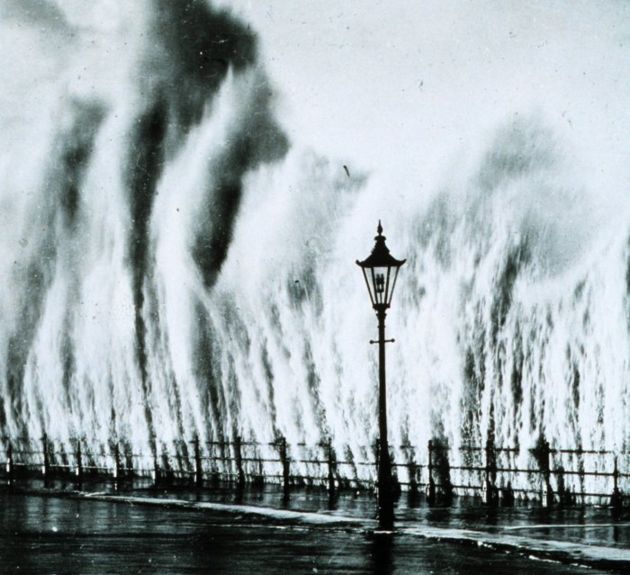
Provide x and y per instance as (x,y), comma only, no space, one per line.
(171,266)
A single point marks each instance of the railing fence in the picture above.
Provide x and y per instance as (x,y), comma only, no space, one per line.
(494,472)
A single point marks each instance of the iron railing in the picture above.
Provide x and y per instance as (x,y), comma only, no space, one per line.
(494,472)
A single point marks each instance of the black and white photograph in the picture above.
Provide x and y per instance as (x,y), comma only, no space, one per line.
(314,287)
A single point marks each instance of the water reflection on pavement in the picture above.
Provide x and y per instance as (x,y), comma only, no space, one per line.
(43,534)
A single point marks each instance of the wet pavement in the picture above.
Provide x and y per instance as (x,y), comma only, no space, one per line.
(147,531)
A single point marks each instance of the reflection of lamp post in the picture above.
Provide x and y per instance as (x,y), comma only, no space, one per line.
(380,270)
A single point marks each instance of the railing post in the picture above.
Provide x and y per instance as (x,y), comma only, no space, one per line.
(79,463)
(332,466)
(198,466)
(507,495)
(545,463)
(258,479)
(412,472)
(284,460)
(394,487)
(491,472)
(156,468)
(217,474)
(431,493)
(10,463)
(412,475)
(213,465)
(564,497)
(117,469)
(46,465)
(127,464)
(616,499)
(238,460)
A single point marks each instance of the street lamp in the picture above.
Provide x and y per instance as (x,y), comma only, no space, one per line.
(380,270)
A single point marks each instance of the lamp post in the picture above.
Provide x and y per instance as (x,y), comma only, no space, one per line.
(380,270)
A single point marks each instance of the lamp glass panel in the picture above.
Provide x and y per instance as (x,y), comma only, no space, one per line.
(394,276)
(367,274)
(380,276)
